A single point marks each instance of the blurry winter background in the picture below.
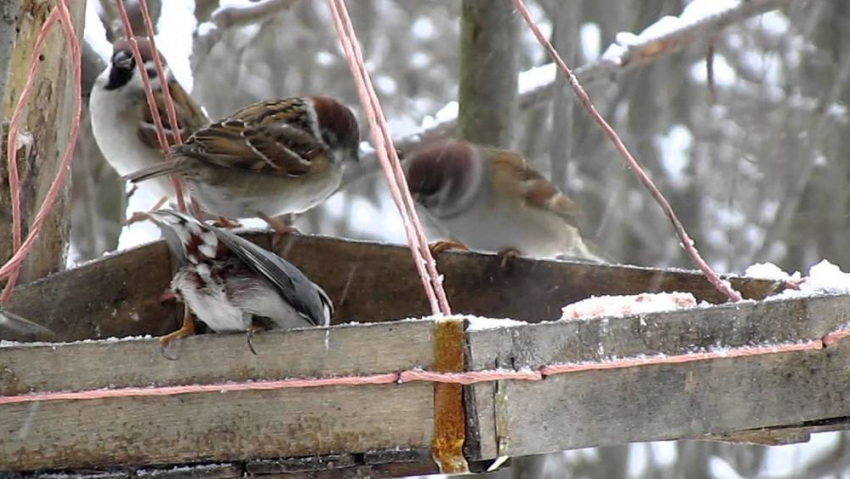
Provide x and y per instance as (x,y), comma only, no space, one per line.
(754,162)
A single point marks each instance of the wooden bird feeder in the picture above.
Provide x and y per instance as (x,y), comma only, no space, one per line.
(390,430)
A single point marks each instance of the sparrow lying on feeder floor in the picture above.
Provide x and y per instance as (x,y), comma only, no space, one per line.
(16,328)
(268,159)
(122,123)
(493,201)
(232,284)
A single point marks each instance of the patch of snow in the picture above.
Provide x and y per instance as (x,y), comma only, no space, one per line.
(535,78)
(700,9)
(675,148)
(591,41)
(769,271)
(477,323)
(31,344)
(618,306)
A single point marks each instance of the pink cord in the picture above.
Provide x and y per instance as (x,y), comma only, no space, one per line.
(418,242)
(12,267)
(416,375)
(632,163)
(146,81)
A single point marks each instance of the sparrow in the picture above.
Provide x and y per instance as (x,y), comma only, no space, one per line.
(492,200)
(268,159)
(16,328)
(233,285)
(121,119)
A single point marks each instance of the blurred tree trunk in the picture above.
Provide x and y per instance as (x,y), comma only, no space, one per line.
(489,38)
(97,193)
(567,40)
(44,128)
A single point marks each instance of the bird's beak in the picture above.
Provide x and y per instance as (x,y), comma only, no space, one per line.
(122,59)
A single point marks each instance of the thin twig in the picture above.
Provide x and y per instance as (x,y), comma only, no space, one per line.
(584,99)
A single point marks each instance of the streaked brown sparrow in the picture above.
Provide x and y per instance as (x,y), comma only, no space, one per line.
(268,159)
(121,119)
(493,201)
(233,285)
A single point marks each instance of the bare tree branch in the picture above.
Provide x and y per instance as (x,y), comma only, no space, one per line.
(608,67)
(225,18)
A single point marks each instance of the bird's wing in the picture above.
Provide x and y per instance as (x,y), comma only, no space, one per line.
(272,137)
(305,296)
(536,191)
(189,116)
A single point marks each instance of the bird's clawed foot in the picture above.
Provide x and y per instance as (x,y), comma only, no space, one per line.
(188,329)
(250,335)
(280,228)
(506,256)
(222,222)
(143,215)
(440,246)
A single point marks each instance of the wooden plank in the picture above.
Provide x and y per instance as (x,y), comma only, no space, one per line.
(215,426)
(217,358)
(647,403)
(115,296)
(119,295)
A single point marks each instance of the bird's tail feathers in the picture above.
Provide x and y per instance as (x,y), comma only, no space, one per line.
(585,250)
(159,169)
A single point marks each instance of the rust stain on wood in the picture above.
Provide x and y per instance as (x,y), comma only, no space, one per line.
(449,416)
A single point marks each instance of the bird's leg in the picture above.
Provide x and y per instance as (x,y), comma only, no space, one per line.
(196,208)
(440,246)
(222,222)
(188,329)
(141,216)
(279,227)
(506,255)
(168,295)
(131,192)
(250,335)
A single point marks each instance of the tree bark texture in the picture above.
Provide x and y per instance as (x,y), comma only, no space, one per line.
(44,130)
(488,72)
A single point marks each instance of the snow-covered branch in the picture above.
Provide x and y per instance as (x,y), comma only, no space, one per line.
(209,33)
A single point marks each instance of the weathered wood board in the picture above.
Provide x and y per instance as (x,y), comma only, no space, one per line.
(119,295)
(215,426)
(656,402)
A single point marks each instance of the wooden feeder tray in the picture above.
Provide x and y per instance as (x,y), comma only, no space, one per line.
(391,430)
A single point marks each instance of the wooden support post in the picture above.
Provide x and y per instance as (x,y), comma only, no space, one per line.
(43,134)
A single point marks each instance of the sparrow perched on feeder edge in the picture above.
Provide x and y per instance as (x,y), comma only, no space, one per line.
(233,285)
(492,200)
(268,159)
(122,123)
